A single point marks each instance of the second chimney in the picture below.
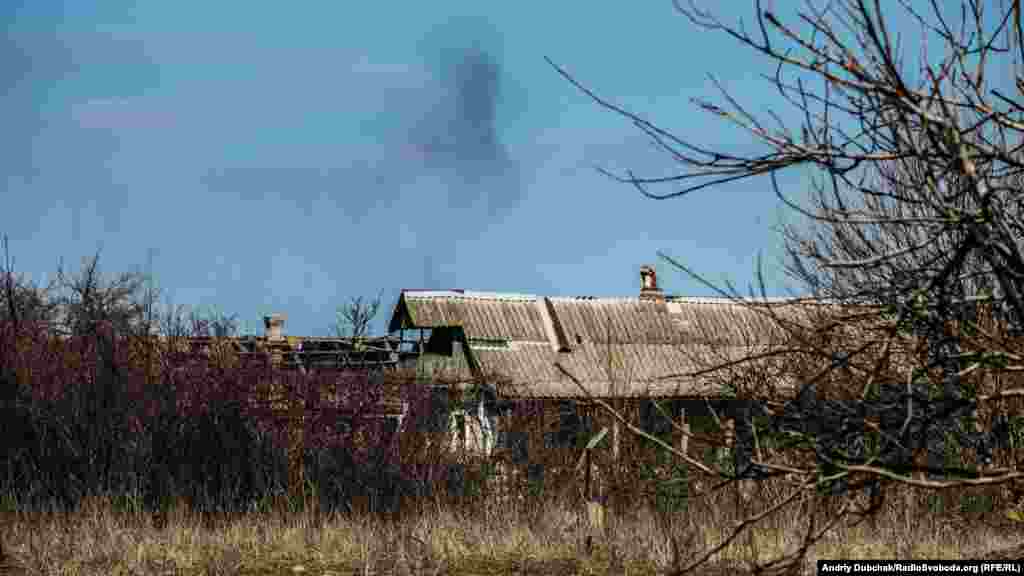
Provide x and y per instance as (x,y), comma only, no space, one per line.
(274,326)
(649,285)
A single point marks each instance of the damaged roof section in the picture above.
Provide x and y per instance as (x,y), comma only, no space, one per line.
(616,347)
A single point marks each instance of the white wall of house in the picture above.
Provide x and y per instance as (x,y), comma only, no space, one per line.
(471,431)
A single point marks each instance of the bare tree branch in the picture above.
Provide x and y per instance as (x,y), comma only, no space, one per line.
(354,318)
(910,236)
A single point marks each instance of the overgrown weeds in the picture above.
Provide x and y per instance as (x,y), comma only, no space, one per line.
(98,538)
(127,453)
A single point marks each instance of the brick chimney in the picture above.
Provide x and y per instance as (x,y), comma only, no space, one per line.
(649,285)
(274,326)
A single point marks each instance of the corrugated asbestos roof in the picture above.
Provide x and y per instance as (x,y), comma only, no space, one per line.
(481,315)
(616,346)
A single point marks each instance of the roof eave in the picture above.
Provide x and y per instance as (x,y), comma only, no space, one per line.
(400,316)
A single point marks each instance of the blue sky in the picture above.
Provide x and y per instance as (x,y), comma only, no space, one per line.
(288,156)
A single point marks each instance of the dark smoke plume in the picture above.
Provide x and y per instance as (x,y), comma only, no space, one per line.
(460,137)
(460,140)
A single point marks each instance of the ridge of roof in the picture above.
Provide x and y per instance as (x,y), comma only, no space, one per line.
(598,299)
(469,295)
(728,300)
(520,297)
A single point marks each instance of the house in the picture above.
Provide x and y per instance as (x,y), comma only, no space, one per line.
(305,353)
(649,347)
(295,357)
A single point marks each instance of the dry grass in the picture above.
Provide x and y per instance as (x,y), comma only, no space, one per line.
(544,539)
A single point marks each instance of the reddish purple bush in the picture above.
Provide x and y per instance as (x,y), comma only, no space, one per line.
(108,413)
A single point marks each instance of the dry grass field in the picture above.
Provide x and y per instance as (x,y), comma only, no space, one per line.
(539,540)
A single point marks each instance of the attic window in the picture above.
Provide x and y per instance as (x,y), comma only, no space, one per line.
(494,343)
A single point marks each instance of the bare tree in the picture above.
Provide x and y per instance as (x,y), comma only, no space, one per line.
(87,298)
(354,318)
(913,232)
(22,300)
(213,322)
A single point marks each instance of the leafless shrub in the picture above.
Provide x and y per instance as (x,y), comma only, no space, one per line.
(911,239)
(353,319)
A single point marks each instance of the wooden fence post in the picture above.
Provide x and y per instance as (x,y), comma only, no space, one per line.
(615,440)
(296,425)
(685,426)
(593,510)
